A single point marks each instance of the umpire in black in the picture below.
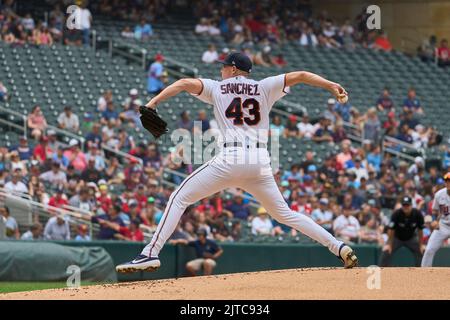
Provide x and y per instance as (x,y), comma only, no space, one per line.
(402,232)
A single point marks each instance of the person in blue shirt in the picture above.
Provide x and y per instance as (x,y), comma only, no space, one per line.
(107,221)
(343,109)
(155,83)
(143,31)
(206,251)
(109,113)
(412,102)
(24,150)
(94,137)
(238,208)
(384,102)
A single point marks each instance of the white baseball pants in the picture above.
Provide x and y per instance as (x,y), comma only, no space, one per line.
(248,169)
(434,243)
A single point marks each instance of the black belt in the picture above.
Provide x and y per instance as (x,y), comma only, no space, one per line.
(239,144)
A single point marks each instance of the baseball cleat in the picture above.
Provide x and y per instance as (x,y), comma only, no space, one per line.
(347,255)
(140,263)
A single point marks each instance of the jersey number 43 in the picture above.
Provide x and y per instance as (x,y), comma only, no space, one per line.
(234,111)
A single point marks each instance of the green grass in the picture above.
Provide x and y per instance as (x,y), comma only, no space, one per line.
(6,287)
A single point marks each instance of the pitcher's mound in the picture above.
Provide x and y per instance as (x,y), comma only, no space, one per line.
(314,283)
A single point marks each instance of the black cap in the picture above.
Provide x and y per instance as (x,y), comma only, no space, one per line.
(239,60)
(407,200)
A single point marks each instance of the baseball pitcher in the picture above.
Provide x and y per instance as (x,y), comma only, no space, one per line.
(441,207)
(241,108)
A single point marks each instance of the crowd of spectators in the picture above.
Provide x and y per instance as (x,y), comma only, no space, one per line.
(20,29)
(273,23)
(431,51)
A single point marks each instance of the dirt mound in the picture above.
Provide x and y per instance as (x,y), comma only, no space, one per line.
(314,283)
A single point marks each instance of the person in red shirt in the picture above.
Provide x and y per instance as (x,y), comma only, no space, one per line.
(140,196)
(443,54)
(390,124)
(279,61)
(383,43)
(224,54)
(42,151)
(132,233)
(58,200)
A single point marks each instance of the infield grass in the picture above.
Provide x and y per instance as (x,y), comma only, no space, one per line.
(6,287)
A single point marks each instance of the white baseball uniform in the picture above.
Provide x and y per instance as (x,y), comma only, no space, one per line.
(241,109)
(441,203)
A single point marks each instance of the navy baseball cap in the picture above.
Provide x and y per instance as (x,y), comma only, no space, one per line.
(239,60)
(406,200)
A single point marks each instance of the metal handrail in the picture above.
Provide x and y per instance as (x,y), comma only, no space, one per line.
(122,154)
(18,114)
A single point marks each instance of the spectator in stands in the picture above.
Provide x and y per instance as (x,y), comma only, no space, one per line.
(238,208)
(330,112)
(90,173)
(308,38)
(42,151)
(202,27)
(85,22)
(427,50)
(262,224)
(412,102)
(279,61)
(16,184)
(143,31)
(36,122)
(443,54)
(391,124)
(83,233)
(291,129)
(210,55)
(95,153)
(323,132)
(323,216)
(276,127)
(127,33)
(16,163)
(108,131)
(374,158)
(102,102)
(59,200)
(155,83)
(3,92)
(384,102)
(109,113)
(133,94)
(60,158)
(185,122)
(55,176)
(207,251)
(371,233)
(131,116)
(339,133)
(203,118)
(76,157)
(35,232)
(346,227)
(57,228)
(382,42)
(305,128)
(107,230)
(12,228)
(23,149)
(263,57)
(372,126)
(94,137)
(343,110)
(82,200)
(404,135)
(68,120)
